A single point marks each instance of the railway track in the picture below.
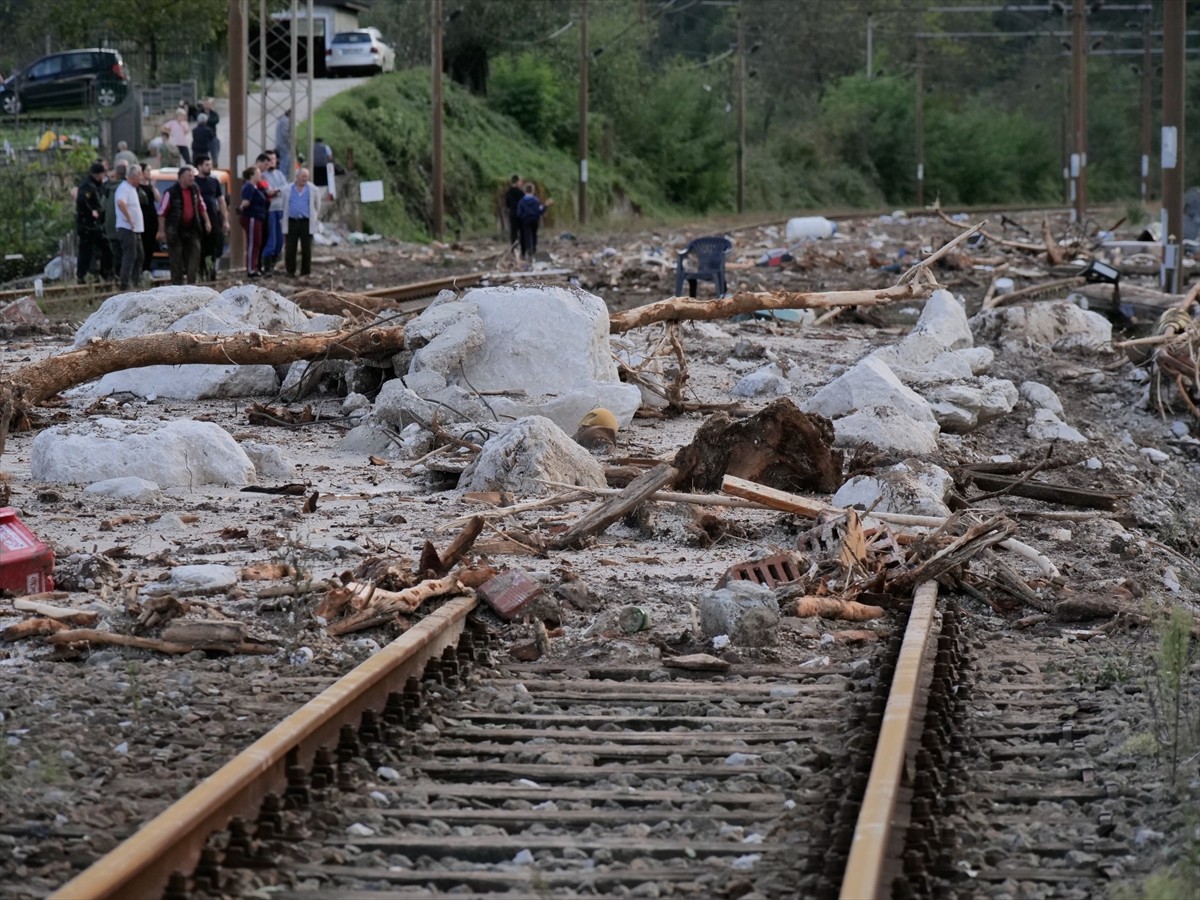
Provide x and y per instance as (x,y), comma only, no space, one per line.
(934,763)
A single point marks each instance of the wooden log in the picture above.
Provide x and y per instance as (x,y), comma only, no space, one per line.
(462,543)
(407,600)
(832,608)
(678,309)
(112,639)
(977,539)
(1036,489)
(41,380)
(1053,252)
(360,621)
(202,631)
(600,517)
(38,627)
(65,614)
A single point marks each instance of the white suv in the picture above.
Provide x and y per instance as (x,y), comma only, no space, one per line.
(359,51)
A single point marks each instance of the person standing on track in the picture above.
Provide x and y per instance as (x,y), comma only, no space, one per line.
(530,211)
(89,225)
(183,223)
(512,197)
(299,223)
(130,227)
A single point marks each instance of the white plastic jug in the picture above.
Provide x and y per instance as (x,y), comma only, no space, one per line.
(810,228)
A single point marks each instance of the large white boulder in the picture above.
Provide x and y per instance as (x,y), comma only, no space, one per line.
(962,406)
(887,429)
(528,453)
(198,310)
(1060,325)
(868,384)
(945,319)
(171,454)
(545,351)
(912,487)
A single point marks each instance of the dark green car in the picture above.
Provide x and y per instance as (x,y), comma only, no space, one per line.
(75,78)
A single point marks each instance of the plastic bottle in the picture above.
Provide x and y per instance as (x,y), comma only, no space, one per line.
(810,228)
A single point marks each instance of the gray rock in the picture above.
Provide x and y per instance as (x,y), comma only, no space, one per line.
(1046,426)
(724,612)
(944,318)
(1040,396)
(766,382)
(527,453)
(269,461)
(194,581)
(984,399)
(354,402)
(912,487)
(867,385)
(143,312)
(1060,325)
(172,454)
(130,488)
(887,429)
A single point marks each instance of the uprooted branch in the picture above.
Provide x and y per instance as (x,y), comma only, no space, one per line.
(41,380)
(677,309)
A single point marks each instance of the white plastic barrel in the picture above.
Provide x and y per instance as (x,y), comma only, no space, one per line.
(810,228)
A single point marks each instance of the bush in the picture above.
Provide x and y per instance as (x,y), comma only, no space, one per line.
(36,208)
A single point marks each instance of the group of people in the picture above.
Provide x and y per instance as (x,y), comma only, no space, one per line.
(525,211)
(121,219)
(189,134)
(112,206)
(278,216)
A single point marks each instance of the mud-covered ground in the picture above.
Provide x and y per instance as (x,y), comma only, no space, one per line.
(94,745)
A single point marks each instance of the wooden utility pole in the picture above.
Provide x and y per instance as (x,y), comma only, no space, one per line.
(436,24)
(1174,76)
(236,154)
(1079,110)
(583,111)
(919,116)
(1147,82)
(741,107)
(870,48)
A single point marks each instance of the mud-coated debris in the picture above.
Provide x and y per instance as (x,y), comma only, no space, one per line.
(722,613)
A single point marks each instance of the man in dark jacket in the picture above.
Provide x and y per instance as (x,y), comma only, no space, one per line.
(182,223)
(511,198)
(530,211)
(89,225)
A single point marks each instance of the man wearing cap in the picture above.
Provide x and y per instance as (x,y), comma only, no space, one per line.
(89,227)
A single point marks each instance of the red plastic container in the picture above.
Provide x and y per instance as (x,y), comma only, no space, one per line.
(26,564)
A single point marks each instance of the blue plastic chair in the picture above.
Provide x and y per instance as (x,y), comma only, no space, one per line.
(710,253)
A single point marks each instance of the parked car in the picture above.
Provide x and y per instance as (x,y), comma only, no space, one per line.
(74,78)
(163,179)
(359,51)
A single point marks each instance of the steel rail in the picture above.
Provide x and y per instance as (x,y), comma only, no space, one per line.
(872,846)
(141,866)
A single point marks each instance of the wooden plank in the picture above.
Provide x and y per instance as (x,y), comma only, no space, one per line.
(619,738)
(653,723)
(642,673)
(665,690)
(608,511)
(601,752)
(1077,877)
(578,818)
(619,695)
(499,848)
(529,877)
(501,793)
(462,769)
(1036,489)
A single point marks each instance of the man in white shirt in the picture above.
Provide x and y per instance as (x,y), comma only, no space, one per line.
(130,225)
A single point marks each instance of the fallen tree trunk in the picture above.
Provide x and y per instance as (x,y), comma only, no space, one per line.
(65,614)
(42,380)
(678,309)
(112,639)
(832,608)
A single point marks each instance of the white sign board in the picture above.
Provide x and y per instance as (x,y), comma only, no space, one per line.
(1170,147)
(370,191)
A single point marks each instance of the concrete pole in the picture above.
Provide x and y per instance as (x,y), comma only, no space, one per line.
(1174,77)
(294,75)
(312,77)
(1147,82)
(583,111)
(919,116)
(741,107)
(236,154)
(436,25)
(262,75)
(1079,109)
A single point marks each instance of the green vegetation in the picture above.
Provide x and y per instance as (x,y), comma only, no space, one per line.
(36,209)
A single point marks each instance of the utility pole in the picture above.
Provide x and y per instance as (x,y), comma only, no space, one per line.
(236,46)
(1147,81)
(435,60)
(1079,110)
(583,111)
(741,107)
(919,116)
(870,48)
(1174,76)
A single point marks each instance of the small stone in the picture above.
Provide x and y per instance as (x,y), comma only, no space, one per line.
(360,830)
(387,773)
(523,858)
(1154,455)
